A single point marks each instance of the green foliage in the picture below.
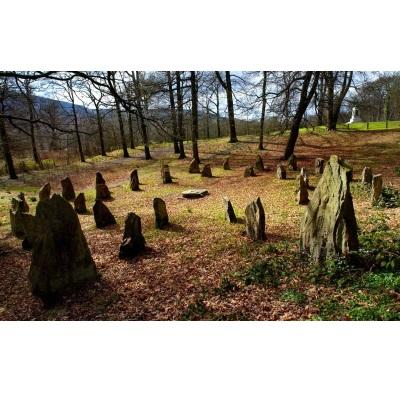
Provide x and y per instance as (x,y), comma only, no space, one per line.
(294,296)
(195,311)
(225,286)
(330,309)
(397,171)
(381,281)
(390,198)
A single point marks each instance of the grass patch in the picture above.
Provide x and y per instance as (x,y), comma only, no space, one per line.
(294,296)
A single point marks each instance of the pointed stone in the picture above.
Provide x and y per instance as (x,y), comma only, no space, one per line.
(17,212)
(68,191)
(280,171)
(133,241)
(304,175)
(134,181)
(160,212)
(166,174)
(302,193)
(229,211)
(61,259)
(194,167)
(44,192)
(377,188)
(249,171)
(255,220)
(102,192)
(319,166)
(259,163)
(25,206)
(366,176)
(206,173)
(329,226)
(102,215)
(99,179)
(226,164)
(292,163)
(80,204)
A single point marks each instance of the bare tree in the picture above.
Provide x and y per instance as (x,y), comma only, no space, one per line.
(195,117)
(263,106)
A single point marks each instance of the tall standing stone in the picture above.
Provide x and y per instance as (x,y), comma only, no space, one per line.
(68,191)
(44,192)
(166,174)
(102,191)
(304,175)
(194,167)
(292,163)
(17,212)
(25,206)
(229,211)
(160,213)
(319,166)
(249,171)
(280,171)
(61,259)
(366,176)
(133,241)
(99,178)
(134,181)
(329,226)
(255,220)
(302,193)
(226,164)
(377,188)
(259,163)
(80,204)
(102,215)
(206,173)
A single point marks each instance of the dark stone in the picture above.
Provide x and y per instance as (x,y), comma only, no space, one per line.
(329,226)
(25,206)
(102,215)
(134,181)
(133,241)
(61,259)
(44,192)
(160,212)
(377,188)
(16,217)
(249,171)
(29,227)
(194,193)
(194,167)
(319,166)
(304,175)
(229,211)
(206,173)
(165,174)
(226,164)
(292,163)
(68,191)
(366,176)
(302,193)
(255,220)
(99,179)
(80,204)
(280,171)
(102,192)
(259,163)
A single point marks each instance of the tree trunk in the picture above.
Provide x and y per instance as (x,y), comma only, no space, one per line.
(218,115)
(173,113)
(263,106)
(179,97)
(195,119)
(4,141)
(78,138)
(207,121)
(101,134)
(305,98)
(121,129)
(130,125)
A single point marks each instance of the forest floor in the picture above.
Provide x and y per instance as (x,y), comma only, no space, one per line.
(202,267)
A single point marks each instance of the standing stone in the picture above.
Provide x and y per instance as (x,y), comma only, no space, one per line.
(280,171)
(102,191)
(68,191)
(226,164)
(160,212)
(366,176)
(329,226)
(133,241)
(259,163)
(44,192)
(319,166)
(25,206)
(102,215)
(377,188)
(194,167)
(80,204)
(134,181)
(61,259)
(302,193)
(165,174)
(255,220)
(304,175)
(249,171)
(206,173)
(29,227)
(229,211)
(292,163)
(17,212)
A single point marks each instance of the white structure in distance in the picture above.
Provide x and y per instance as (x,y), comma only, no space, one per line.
(355,115)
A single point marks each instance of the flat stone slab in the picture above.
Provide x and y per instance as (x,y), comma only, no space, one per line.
(194,193)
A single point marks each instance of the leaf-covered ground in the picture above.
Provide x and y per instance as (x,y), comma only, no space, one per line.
(202,267)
